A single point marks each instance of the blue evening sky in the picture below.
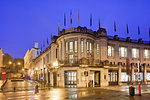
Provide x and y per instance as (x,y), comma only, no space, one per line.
(23,22)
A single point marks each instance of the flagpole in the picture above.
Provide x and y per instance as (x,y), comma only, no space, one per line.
(139,86)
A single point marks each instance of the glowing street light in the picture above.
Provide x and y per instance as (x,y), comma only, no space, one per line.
(55,63)
(19,63)
(36,68)
(23,69)
(10,62)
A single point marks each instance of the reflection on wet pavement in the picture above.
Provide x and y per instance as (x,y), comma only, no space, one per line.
(99,93)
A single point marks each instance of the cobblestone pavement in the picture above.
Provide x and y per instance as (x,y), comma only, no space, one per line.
(100,93)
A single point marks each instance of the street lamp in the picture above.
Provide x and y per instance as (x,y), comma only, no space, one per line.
(55,63)
(19,63)
(10,62)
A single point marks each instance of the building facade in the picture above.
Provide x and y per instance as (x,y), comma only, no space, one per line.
(28,60)
(80,57)
(1,57)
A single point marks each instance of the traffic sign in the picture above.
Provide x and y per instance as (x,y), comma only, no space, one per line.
(3,77)
(41,78)
(3,72)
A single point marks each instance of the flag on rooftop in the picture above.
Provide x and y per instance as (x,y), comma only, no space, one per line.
(114,26)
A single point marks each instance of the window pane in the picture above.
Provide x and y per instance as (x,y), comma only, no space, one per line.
(66,47)
(110,51)
(90,47)
(71,46)
(146,53)
(82,46)
(123,52)
(135,53)
(76,46)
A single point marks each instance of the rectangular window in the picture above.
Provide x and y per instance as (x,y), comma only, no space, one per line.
(110,51)
(122,52)
(148,76)
(70,58)
(146,53)
(82,47)
(124,77)
(135,53)
(76,46)
(90,47)
(66,47)
(87,47)
(71,46)
(97,46)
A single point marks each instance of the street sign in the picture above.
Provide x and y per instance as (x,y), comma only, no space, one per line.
(3,72)
(3,77)
(41,78)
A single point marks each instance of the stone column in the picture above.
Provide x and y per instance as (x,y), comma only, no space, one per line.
(132,72)
(63,50)
(59,58)
(103,49)
(145,73)
(79,48)
(116,52)
(119,73)
(85,48)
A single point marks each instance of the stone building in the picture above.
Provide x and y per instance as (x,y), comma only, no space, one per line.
(28,59)
(81,57)
(1,57)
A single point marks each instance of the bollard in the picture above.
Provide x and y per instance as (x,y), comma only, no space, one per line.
(14,89)
(132,90)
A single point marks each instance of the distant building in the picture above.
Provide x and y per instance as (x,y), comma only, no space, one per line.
(1,57)
(28,58)
(81,57)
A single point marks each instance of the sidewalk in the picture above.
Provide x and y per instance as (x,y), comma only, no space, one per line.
(26,85)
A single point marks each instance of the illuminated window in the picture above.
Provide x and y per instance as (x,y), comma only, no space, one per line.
(71,46)
(110,51)
(124,77)
(76,46)
(90,47)
(82,48)
(66,47)
(97,48)
(123,52)
(135,53)
(71,58)
(148,76)
(146,53)
(87,47)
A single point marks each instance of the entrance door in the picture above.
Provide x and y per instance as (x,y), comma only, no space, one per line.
(70,79)
(55,78)
(97,78)
(48,77)
(113,77)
